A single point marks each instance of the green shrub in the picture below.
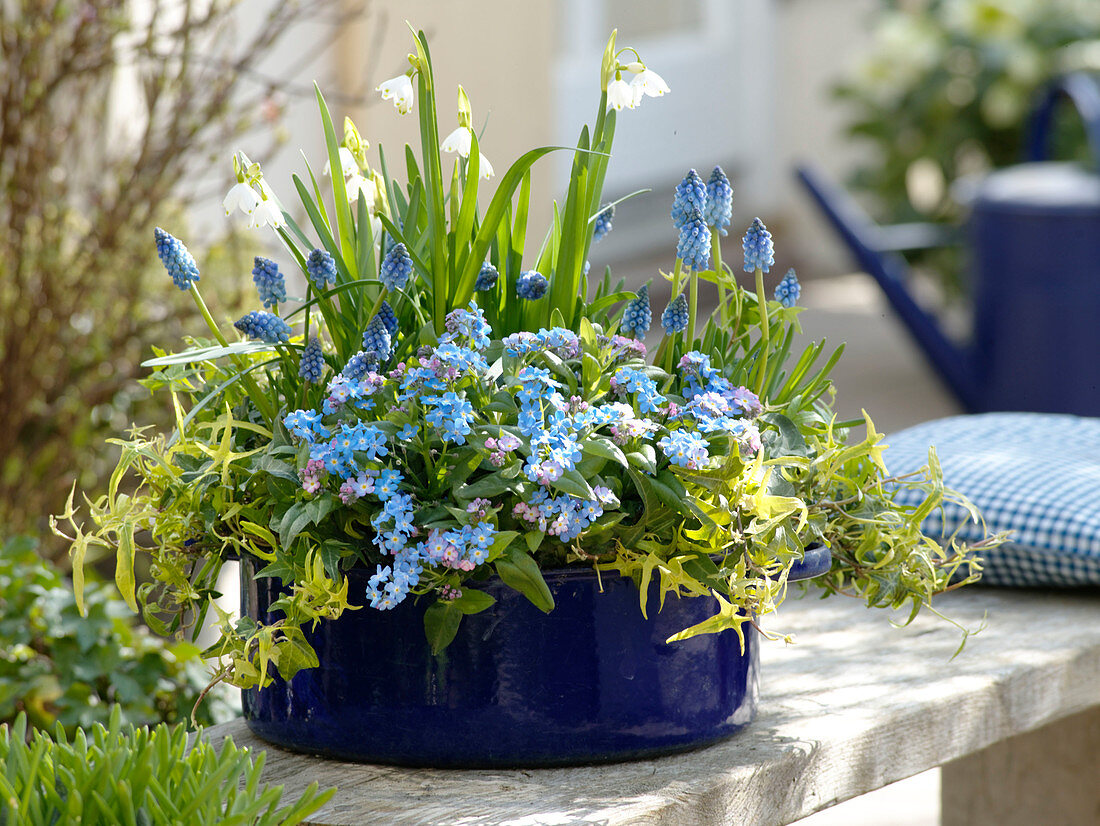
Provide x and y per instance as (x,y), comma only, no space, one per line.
(61,668)
(946,90)
(136,776)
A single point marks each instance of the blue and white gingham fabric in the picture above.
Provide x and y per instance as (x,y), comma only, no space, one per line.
(1037,474)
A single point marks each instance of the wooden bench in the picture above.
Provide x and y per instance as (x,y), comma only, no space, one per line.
(854,706)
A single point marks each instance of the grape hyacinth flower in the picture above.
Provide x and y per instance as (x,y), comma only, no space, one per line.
(269,282)
(638,315)
(486,278)
(531,285)
(396,268)
(176,259)
(691,196)
(388,316)
(312,363)
(757,246)
(693,246)
(360,364)
(675,317)
(377,338)
(400,89)
(321,269)
(719,208)
(263,326)
(788,290)
(602,224)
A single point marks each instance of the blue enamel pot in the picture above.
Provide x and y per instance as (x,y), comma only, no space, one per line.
(592,681)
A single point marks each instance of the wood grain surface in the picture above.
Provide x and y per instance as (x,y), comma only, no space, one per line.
(854,705)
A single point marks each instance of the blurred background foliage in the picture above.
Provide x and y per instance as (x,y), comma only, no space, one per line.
(945,92)
(59,667)
(112,116)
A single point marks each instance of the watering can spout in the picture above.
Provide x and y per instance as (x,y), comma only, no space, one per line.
(874,247)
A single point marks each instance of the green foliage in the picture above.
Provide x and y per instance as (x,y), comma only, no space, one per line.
(137,777)
(946,91)
(59,667)
(716,462)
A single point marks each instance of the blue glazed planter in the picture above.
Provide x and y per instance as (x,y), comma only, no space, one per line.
(593,681)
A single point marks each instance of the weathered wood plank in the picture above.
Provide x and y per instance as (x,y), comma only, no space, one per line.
(1047,776)
(854,706)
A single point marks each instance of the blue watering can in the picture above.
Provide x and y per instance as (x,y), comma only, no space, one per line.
(1034,231)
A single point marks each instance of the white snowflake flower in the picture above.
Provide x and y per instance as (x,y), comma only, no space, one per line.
(267,213)
(458,141)
(355,184)
(241,196)
(650,83)
(399,88)
(620,95)
(347,163)
(484,166)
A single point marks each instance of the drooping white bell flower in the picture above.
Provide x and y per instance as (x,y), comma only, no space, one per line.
(267,213)
(484,167)
(399,88)
(620,95)
(241,196)
(650,83)
(347,163)
(458,141)
(355,184)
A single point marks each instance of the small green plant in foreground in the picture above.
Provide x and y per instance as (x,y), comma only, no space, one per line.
(135,776)
(59,667)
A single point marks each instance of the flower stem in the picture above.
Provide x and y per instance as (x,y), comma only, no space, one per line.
(258,398)
(765,333)
(720,277)
(693,304)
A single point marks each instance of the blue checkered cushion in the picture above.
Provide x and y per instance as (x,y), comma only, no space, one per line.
(1037,474)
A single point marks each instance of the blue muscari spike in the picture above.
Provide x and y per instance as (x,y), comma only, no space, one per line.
(693,245)
(269,282)
(396,268)
(602,224)
(638,315)
(176,259)
(312,364)
(360,364)
(719,207)
(388,316)
(691,194)
(675,317)
(757,245)
(486,278)
(264,327)
(377,338)
(788,290)
(531,285)
(321,268)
